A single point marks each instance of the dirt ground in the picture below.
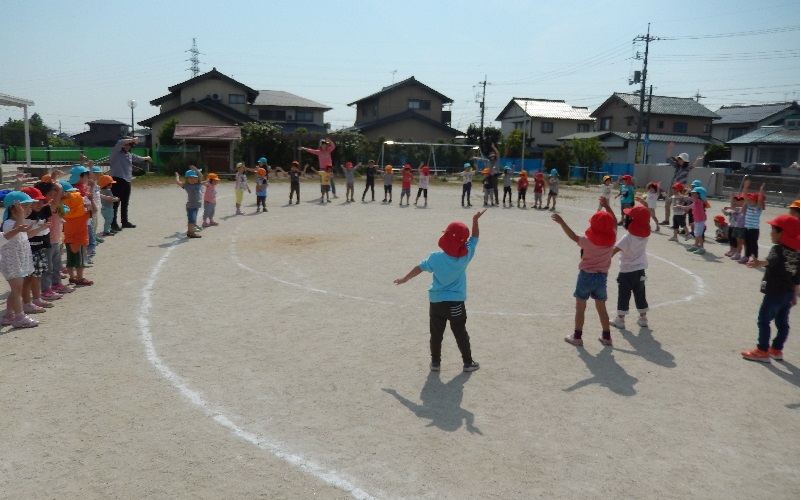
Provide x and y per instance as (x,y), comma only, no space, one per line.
(274,358)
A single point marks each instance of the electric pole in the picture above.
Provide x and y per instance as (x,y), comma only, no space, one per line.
(648,39)
(483,96)
(698,96)
(195,67)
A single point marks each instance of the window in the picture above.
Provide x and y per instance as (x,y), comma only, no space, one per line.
(629,121)
(583,127)
(304,116)
(419,104)
(546,127)
(606,123)
(518,125)
(680,127)
(735,132)
(236,99)
(707,128)
(660,124)
(272,114)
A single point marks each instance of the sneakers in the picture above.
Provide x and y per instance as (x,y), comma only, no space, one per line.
(8,319)
(673,238)
(605,341)
(700,251)
(24,321)
(618,322)
(193,235)
(744,260)
(574,341)
(471,367)
(774,354)
(756,354)
(108,234)
(214,223)
(692,248)
(434,366)
(31,308)
(205,224)
(43,303)
(99,239)
(51,294)
(735,256)
(643,321)
(62,288)
(81,282)
(128,225)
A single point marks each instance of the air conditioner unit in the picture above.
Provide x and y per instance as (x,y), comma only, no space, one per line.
(216,97)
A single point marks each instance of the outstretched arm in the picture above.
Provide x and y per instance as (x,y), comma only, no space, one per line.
(569,232)
(178,180)
(414,272)
(474,232)
(497,153)
(605,204)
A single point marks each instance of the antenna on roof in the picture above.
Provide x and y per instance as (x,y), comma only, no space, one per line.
(393,76)
(195,68)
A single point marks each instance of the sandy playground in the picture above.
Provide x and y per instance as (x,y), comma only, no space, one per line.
(274,358)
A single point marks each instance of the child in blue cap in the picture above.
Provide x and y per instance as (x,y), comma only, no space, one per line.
(16,259)
(194,200)
(507,184)
(698,197)
(553,189)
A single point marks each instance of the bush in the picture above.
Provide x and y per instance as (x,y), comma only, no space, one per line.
(180,164)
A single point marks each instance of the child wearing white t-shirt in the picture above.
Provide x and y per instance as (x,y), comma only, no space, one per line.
(651,199)
(633,262)
(422,185)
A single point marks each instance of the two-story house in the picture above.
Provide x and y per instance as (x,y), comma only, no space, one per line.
(739,119)
(104,133)
(289,111)
(543,121)
(407,110)
(682,121)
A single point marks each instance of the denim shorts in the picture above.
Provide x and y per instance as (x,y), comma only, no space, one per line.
(699,228)
(191,215)
(590,285)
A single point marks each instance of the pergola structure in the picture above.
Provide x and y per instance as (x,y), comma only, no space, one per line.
(432,154)
(7,100)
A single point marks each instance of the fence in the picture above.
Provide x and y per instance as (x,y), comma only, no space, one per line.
(779,189)
(66,155)
(164,153)
(596,172)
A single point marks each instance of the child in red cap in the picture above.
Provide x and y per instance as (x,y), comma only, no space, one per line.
(721,229)
(633,263)
(422,185)
(539,186)
(448,290)
(406,183)
(754,206)
(780,286)
(596,246)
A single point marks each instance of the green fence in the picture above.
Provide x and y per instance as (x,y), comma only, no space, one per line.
(164,153)
(64,155)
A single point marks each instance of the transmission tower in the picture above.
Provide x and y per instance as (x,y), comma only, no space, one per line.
(195,60)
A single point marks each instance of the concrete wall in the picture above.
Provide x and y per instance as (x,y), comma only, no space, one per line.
(711,178)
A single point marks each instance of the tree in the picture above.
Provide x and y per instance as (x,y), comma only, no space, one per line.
(588,152)
(167,132)
(491,135)
(513,145)
(264,139)
(560,158)
(14,132)
(717,152)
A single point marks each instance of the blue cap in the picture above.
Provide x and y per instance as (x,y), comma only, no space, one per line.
(96,169)
(696,183)
(13,196)
(262,160)
(75,173)
(701,192)
(507,167)
(554,172)
(466,165)
(190,173)
(66,186)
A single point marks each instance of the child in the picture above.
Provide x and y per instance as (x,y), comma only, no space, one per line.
(626,195)
(467,183)
(325,182)
(698,197)
(294,180)
(553,189)
(210,200)
(323,155)
(16,261)
(51,268)
(597,246)
(407,177)
(448,290)
(369,179)
(522,186)
(39,241)
(606,189)
(794,208)
(736,215)
(240,185)
(261,189)
(651,200)
(780,286)
(76,235)
(107,201)
(539,186)
(721,229)
(193,188)
(422,184)
(350,181)
(633,263)
(507,184)
(486,184)
(389,175)
(55,260)
(755,204)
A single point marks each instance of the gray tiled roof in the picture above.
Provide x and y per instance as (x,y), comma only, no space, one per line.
(558,110)
(768,135)
(631,136)
(106,122)
(661,105)
(285,99)
(750,113)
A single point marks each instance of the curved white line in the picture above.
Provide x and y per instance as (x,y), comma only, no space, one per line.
(328,476)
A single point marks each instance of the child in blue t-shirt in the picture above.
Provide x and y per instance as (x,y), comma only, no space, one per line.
(448,290)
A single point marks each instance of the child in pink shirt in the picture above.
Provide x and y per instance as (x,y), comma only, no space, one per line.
(597,246)
(407,177)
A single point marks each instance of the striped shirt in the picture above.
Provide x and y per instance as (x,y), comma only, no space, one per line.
(752,214)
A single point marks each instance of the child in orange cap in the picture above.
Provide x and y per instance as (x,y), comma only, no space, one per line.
(422,184)
(210,200)
(780,286)
(597,246)
(633,263)
(406,183)
(389,176)
(794,208)
(107,201)
(350,180)
(539,186)
(522,187)
(486,184)
(76,235)
(448,290)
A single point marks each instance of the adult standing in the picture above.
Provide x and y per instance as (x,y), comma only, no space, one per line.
(369,182)
(494,170)
(323,154)
(681,171)
(121,170)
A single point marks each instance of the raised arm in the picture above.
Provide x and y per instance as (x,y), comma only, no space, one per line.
(178,181)
(695,163)
(605,204)
(569,232)
(497,153)
(414,272)
(474,231)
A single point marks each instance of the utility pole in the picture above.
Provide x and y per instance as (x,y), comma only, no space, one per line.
(648,39)
(483,96)
(647,141)
(195,67)
(698,96)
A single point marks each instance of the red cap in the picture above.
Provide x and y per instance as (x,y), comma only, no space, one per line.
(722,220)
(602,229)
(425,170)
(407,166)
(790,229)
(640,224)
(739,197)
(753,196)
(539,175)
(454,239)
(678,186)
(626,177)
(34,193)
(348,165)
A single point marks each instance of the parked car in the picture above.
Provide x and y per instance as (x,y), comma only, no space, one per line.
(768,169)
(729,165)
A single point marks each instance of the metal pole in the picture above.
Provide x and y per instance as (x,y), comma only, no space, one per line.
(381,163)
(27,137)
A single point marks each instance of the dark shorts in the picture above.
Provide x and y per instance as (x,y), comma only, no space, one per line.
(406,191)
(39,262)
(679,221)
(324,188)
(738,232)
(591,285)
(74,259)
(191,215)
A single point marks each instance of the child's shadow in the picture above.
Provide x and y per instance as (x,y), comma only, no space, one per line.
(792,376)
(226,217)
(648,347)
(441,403)
(606,373)
(177,237)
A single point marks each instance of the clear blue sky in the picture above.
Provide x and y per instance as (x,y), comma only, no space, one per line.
(83,60)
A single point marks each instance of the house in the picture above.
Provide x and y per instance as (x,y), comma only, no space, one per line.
(407,110)
(289,111)
(215,144)
(684,118)
(104,133)
(621,146)
(543,121)
(769,144)
(739,119)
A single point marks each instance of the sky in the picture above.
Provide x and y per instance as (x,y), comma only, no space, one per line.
(84,60)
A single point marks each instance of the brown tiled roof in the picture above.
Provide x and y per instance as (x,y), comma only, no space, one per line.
(207,132)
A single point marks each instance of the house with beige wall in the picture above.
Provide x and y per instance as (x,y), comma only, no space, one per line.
(543,122)
(407,110)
